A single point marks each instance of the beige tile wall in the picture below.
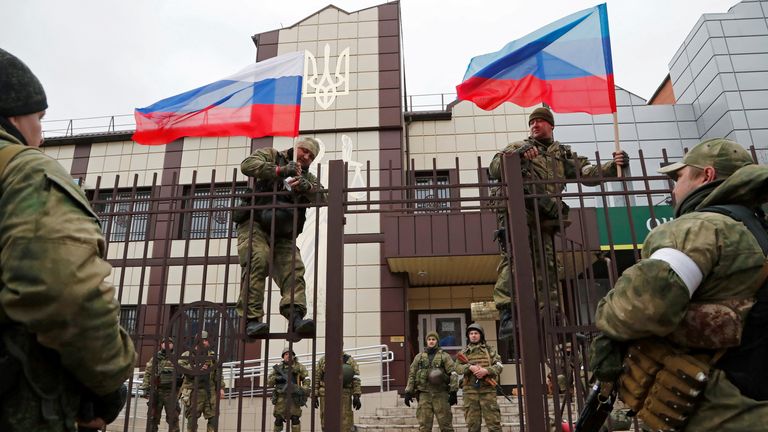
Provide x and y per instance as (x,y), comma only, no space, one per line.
(126,159)
(63,154)
(448,297)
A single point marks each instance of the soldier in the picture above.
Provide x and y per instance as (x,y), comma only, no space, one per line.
(290,382)
(274,170)
(690,303)
(432,381)
(204,390)
(161,386)
(480,397)
(543,158)
(63,356)
(350,393)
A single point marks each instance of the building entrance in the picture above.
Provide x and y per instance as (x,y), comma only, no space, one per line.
(448,326)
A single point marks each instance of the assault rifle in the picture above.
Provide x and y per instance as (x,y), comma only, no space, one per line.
(488,380)
(286,377)
(597,408)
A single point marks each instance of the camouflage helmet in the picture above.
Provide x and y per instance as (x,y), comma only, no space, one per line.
(436,377)
(434,335)
(542,113)
(203,334)
(724,155)
(477,327)
(347,374)
(167,339)
(288,350)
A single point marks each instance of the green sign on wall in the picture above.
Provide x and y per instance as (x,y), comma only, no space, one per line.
(621,229)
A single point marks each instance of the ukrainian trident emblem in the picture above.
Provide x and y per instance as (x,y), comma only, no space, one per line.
(326,86)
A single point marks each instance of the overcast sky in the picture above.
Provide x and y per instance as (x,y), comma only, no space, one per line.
(107,57)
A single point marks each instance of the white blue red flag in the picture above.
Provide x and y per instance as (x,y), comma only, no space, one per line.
(566,65)
(264,99)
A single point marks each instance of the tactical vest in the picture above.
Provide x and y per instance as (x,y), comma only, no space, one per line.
(426,366)
(744,365)
(164,370)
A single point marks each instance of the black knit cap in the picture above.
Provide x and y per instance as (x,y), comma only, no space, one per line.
(542,113)
(20,91)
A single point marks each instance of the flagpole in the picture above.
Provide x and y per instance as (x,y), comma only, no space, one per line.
(617,145)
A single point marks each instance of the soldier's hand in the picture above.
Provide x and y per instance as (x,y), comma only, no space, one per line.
(621,159)
(607,358)
(480,373)
(408,399)
(531,153)
(453,398)
(300,184)
(222,394)
(316,402)
(291,169)
(356,402)
(280,379)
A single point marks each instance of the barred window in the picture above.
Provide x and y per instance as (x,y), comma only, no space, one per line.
(121,213)
(129,318)
(209,319)
(432,193)
(216,219)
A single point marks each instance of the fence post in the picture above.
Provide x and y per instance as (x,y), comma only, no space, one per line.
(334,316)
(526,303)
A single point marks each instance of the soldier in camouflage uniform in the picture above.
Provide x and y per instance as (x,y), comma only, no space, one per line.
(288,398)
(202,390)
(61,348)
(161,386)
(701,261)
(273,169)
(544,159)
(479,397)
(350,392)
(432,381)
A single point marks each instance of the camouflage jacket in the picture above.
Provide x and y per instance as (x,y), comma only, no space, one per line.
(261,166)
(210,381)
(651,299)
(482,355)
(297,371)
(555,161)
(320,376)
(160,373)
(420,368)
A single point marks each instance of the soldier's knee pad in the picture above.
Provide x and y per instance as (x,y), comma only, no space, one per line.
(295,420)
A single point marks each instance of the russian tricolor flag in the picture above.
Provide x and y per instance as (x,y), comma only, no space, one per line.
(566,65)
(264,99)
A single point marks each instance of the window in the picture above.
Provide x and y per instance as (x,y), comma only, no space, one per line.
(213,223)
(432,193)
(122,212)
(129,319)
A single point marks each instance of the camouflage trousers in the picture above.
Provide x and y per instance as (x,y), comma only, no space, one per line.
(164,398)
(205,404)
(433,405)
(283,272)
(347,418)
(281,416)
(479,406)
(545,276)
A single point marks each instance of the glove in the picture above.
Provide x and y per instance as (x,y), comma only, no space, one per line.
(356,402)
(316,402)
(106,407)
(607,359)
(408,399)
(453,398)
(304,185)
(291,169)
(280,379)
(626,158)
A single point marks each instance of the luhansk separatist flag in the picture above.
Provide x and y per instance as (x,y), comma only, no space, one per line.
(566,65)
(263,99)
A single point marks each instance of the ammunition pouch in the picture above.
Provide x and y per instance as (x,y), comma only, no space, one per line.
(662,386)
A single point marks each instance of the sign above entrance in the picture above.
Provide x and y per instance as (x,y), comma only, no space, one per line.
(642,222)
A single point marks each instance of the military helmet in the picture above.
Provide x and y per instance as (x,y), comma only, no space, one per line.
(479,328)
(288,350)
(347,374)
(542,113)
(436,377)
(203,334)
(167,339)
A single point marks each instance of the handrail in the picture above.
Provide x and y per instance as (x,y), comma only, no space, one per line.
(253,369)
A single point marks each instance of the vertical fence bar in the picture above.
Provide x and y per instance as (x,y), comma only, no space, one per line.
(527,306)
(334,318)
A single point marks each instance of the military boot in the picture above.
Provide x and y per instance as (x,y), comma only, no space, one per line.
(506,324)
(256,328)
(302,326)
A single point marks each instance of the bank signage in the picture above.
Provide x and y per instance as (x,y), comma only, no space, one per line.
(626,220)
